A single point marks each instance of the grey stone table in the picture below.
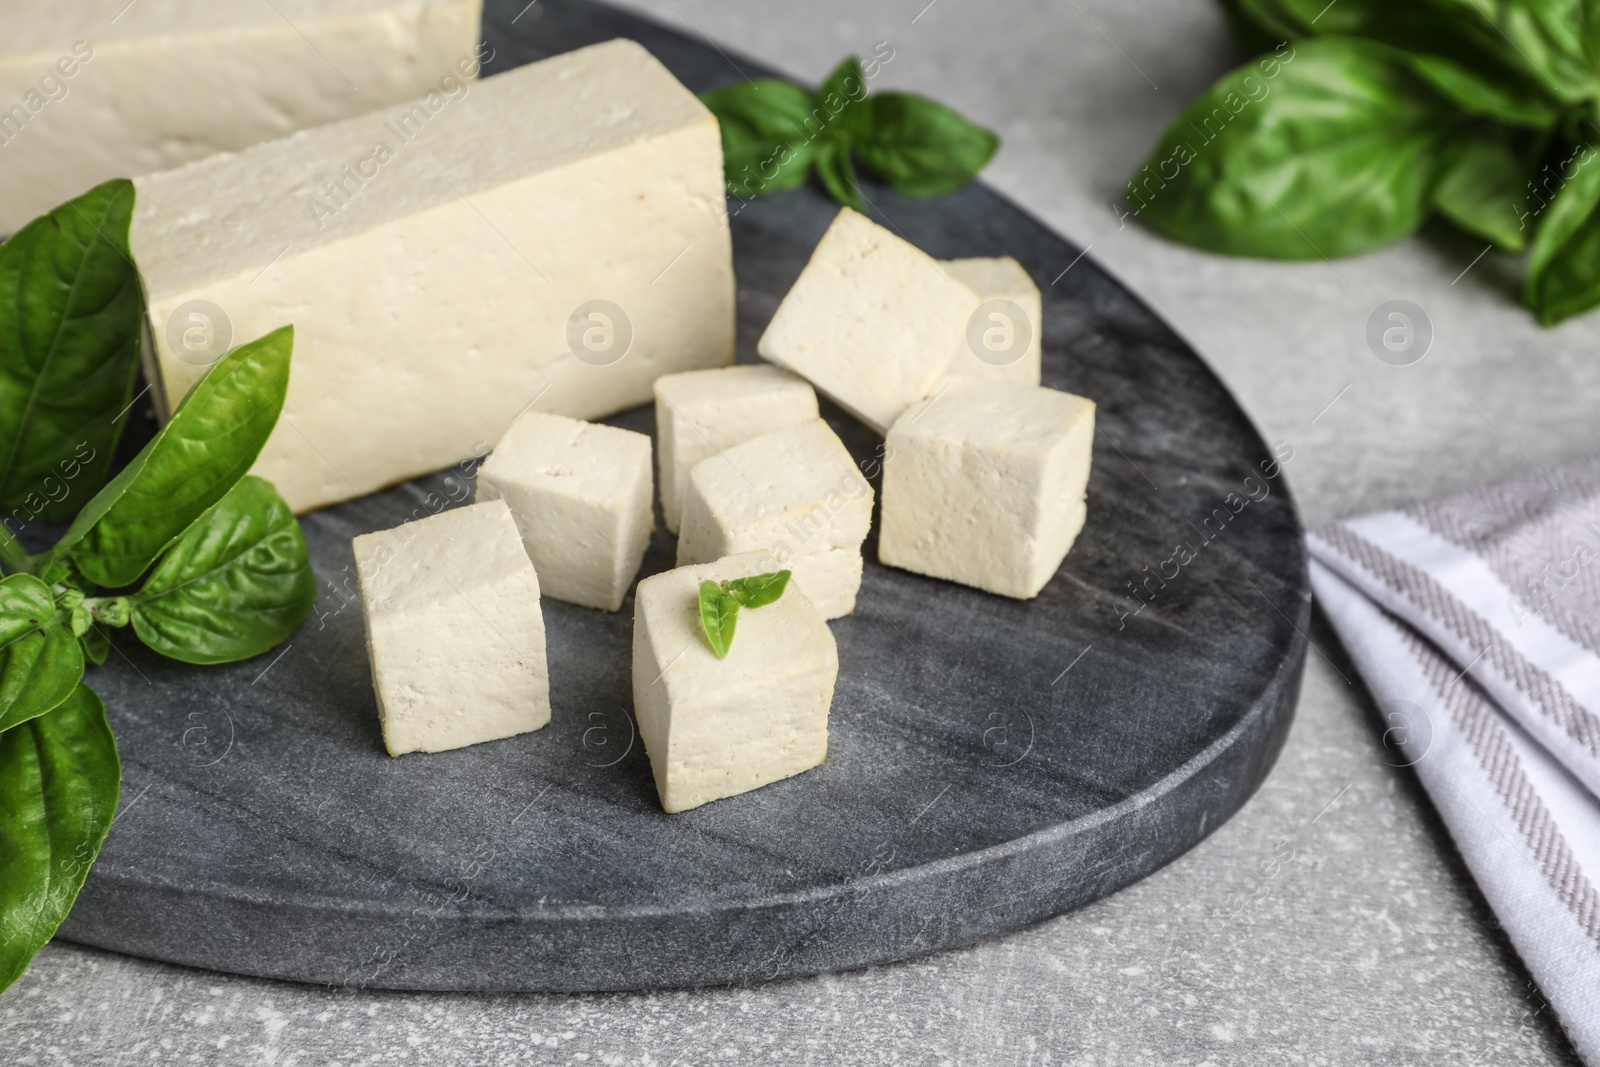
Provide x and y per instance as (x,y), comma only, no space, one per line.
(1330,922)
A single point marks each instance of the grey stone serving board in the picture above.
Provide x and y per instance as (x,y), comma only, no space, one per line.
(991,762)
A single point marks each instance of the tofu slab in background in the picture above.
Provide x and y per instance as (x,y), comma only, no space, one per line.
(714,727)
(700,413)
(454,630)
(984,484)
(1003,341)
(794,494)
(98,89)
(582,496)
(872,321)
(554,232)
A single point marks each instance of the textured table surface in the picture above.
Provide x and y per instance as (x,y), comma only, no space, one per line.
(1329,923)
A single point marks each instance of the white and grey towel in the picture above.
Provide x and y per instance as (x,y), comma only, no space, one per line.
(1476,624)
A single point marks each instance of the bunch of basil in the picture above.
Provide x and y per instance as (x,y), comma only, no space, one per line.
(206,563)
(1362,118)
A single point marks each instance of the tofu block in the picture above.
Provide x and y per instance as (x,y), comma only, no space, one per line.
(581,495)
(872,321)
(1004,340)
(99,89)
(699,413)
(984,484)
(454,630)
(716,728)
(794,494)
(554,236)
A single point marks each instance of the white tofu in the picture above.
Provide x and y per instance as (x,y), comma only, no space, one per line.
(794,494)
(716,728)
(872,321)
(699,413)
(99,89)
(581,495)
(984,484)
(554,236)
(1009,324)
(454,630)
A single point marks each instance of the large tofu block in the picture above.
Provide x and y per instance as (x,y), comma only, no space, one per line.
(554,238)
(99,89)
(715,728)
(454,630)
(794,494)
(581,495)
(699,413)
(872,321)
(1003,341)
(984,484)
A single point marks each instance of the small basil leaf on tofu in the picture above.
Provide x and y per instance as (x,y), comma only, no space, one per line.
(40,661)
(759,591)
(719,614)
(236,584)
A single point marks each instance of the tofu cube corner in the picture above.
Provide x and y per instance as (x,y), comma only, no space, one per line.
(715,728)
(1004,341)
(984,484)
(454,630)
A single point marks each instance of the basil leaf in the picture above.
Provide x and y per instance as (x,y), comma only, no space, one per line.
(203,450)
(40,661)
(1565,214)
(719,615)
(919,147)
(838,174)
(59,780)
(759,591)
(236,584)
(96,644)
(1337,155)
(1496,95)
(1484,191)
(70,324)
(1564,259)
(766,140)
(840,96)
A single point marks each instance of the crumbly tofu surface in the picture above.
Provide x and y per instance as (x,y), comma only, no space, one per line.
(872,320)
(984,484)
(581,495)
(1004,341)
(794,494)
(454,630)
(716,728)
(700,413)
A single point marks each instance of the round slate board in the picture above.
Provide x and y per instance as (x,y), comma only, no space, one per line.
(991,763)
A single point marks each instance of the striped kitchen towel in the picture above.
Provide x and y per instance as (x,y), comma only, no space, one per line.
(1476,624)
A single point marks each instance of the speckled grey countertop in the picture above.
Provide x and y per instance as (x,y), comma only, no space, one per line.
(1366,943)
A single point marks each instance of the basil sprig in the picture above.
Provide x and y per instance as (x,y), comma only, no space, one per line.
(1358,121)
(224,569)
(775,133)
(720,603)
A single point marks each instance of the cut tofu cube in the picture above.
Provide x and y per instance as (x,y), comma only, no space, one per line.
(701,412)
(100,89)
(581,495)
(714,727)
(984,484)
(1003,341)
(454,630)
(794,494)
(556,234)
(872,321)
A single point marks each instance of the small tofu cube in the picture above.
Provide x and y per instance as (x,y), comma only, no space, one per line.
(984,484)
(1003,340)
(454,630)
(701,412)
(794,494)
(714,727)
(872,321)
(581,494)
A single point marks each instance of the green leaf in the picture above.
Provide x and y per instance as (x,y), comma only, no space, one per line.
(1484,191)
(920,147)
(767,129)
(70,323)
(96,644)
(1338,154)
(1564,259)
(840,97)
(1496,95)
(759,591)
(202,451)
(236,584)
(838,174)
(40,661)
(719,615)
(59,780)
